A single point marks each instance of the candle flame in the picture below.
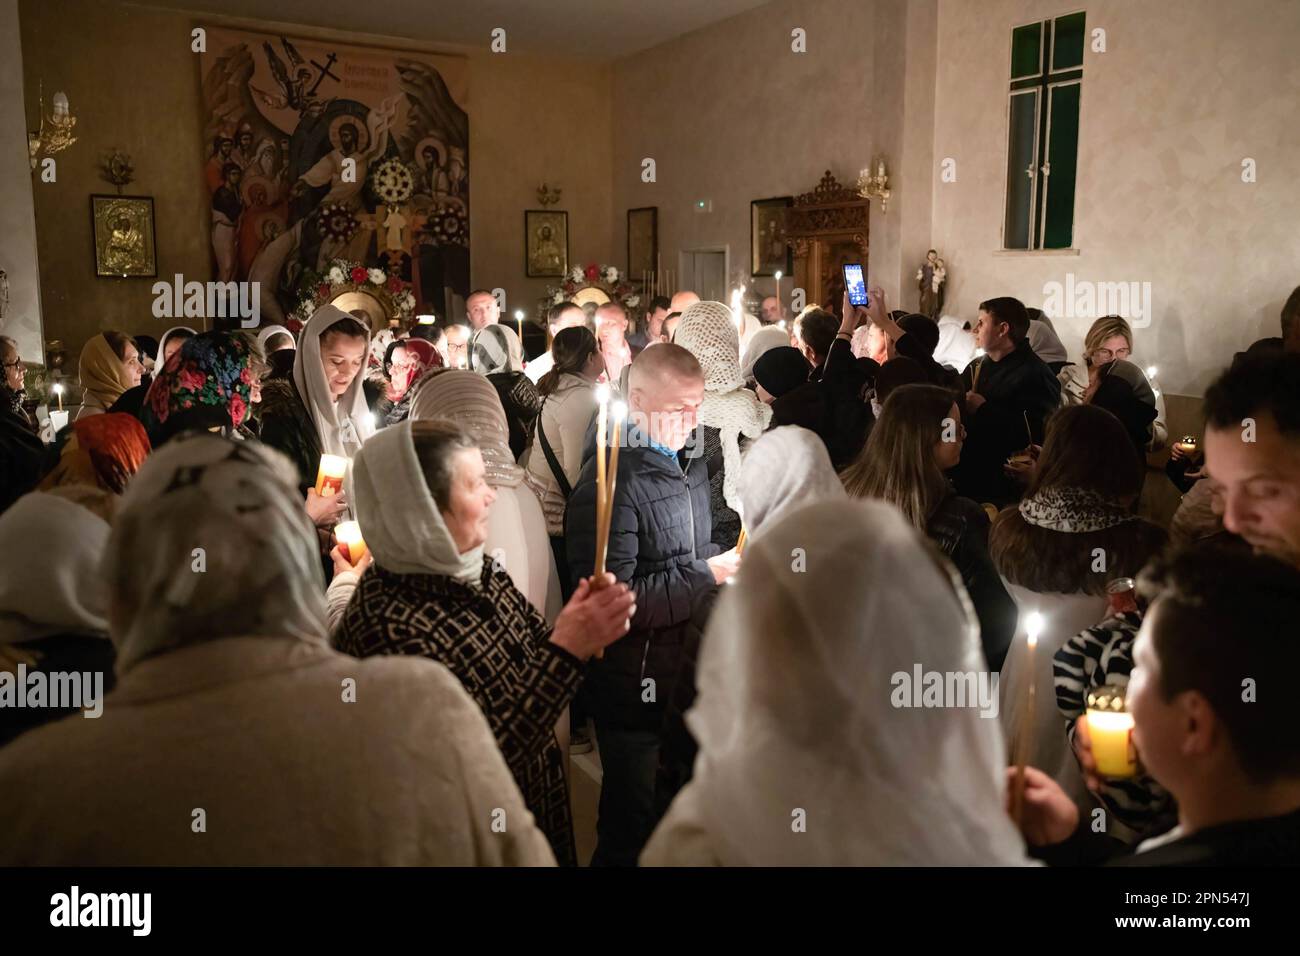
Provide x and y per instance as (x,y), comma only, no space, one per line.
(1034,626)
(620,411)
(602,393)
(519,314)
(58,389)
(778,276)
(1151,371)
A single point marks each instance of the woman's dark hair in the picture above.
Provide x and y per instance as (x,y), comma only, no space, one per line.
(353,328)
(571,349)
(118,341)
(436,440)
(1086,448)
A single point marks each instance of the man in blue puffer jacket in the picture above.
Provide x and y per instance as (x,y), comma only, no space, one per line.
(659,545)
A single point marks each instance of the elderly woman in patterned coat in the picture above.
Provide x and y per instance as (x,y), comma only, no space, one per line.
(422,501)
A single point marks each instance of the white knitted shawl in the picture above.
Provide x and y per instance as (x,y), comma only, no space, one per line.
(708,333)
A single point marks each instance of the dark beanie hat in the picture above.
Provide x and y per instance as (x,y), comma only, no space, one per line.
(897,371)
(922,328)
(781,370)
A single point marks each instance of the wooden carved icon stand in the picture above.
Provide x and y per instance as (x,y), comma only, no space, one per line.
(827,228)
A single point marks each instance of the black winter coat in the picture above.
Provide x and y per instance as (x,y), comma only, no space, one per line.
(831,404)
(659,541)
(960,528)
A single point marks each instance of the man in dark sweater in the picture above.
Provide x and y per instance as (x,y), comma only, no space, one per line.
(659,545)
(831,403)
(1010,393)
(1212,712)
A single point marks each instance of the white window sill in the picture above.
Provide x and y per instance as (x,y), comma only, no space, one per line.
(1033,253)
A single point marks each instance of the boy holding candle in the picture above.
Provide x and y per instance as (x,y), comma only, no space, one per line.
(1211,704)
(658,543)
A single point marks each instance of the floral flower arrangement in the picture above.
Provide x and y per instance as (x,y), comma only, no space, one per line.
(337,222)
(593,275)
(393,181)
(315,289)
(448,225)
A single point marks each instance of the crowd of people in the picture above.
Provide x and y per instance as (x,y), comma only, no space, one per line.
(800,512)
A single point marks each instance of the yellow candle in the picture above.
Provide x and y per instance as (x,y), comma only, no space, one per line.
(329,477)
(602,398)
(351,543)
(519,318)
(1025,737)
(740,542)
(58,390)
(620,413)
(1110,728)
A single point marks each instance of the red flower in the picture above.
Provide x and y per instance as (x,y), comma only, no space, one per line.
(395,284)
(359,275)
(192,380)
(246,376)
(592,272)
(158,397)
(293,325)
(237,409)
(322,290)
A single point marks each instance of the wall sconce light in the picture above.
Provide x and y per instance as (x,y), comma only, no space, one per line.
(55,134)
(546,195)
(873,183)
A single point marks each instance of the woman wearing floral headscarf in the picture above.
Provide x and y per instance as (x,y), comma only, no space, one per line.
(405,362)
(207,386)
(730,414)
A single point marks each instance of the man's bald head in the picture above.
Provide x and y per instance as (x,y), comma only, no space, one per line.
(682,301)
(666,387)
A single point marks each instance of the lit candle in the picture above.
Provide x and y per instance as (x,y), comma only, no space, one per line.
(58,390)
(1151,371)
(329,477)
(426,319)
(351,544)
(1110,729)
(1186,444)
(519,317)
(736,307)
(779,310)
(1025,737)
(602,399)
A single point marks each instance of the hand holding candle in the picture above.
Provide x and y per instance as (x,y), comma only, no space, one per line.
(350,541)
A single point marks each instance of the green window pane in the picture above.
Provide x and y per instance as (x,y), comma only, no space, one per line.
(1067,42)
(1026,50)
(1023,128)
(1063,161)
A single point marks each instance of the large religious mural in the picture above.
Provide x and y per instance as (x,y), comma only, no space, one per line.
(322,155)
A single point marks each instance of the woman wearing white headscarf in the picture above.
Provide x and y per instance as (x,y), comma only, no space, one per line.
(788,467)
(809,752)
(729,413)
(423,502)
(761,342)
(321,409)
(231,709)
(53,601)
(516,531)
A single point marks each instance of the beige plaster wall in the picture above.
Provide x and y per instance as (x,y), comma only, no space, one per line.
(1184,92)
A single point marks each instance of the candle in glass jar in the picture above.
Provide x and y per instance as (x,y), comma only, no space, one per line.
(350,541)
(329,477)
(1187,445)
(1110,729)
